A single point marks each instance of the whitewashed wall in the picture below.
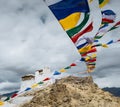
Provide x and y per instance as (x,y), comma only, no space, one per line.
(26,84)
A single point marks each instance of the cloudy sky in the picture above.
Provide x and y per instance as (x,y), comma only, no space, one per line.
(31,38)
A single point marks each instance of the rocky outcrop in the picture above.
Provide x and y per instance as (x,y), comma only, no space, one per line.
(73,92)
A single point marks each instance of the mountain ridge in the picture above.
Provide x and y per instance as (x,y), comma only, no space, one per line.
(113,90)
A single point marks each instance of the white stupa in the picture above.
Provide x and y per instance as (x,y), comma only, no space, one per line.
(40,75)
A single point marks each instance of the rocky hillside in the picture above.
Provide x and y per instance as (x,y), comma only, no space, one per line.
(73,92)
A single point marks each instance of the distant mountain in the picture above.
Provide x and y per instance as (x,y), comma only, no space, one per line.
(113,90)
(9,94)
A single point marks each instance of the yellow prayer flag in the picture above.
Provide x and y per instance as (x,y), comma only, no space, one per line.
(104,45)
(87,58)
(70,21)
(104,3)
(62,70)
(34,85)
(1,103)
(93,55)
(85,49)
(90,68)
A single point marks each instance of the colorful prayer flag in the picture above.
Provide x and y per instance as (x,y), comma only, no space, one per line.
(65,8)
(34,85)
(40,82)
(14,95)
(68,67)
(46,79)
(1,103)
(73,64)
(8,98)
(62,70)
(102,3)
(27,89)
(56,73)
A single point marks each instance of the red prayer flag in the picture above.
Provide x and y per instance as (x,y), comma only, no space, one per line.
(83,55)
(118,23)
(14,95)
(73,64)
(46,79)
(87,29)
(92,60)
(107,20)
(92,50)
(118,40)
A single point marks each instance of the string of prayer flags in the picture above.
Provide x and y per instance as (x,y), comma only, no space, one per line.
(75,18)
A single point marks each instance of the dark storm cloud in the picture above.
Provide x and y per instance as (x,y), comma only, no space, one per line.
(7,87)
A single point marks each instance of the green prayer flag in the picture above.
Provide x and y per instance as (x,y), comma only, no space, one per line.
(40,82)
(67,67)
(98,37)
(8,98)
